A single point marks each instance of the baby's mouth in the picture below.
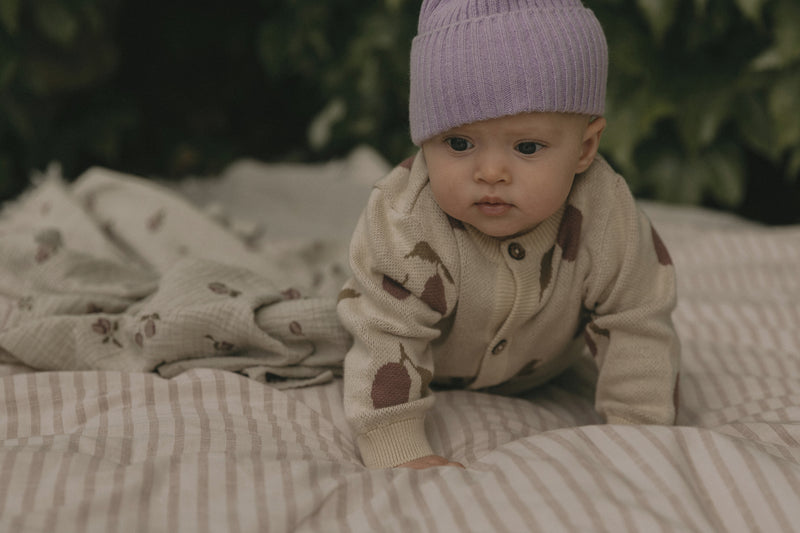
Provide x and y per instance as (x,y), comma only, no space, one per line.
(493,206)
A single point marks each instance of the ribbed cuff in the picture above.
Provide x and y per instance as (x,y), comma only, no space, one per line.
(395,444)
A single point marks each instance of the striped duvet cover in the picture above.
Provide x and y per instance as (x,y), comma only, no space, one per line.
(212,451)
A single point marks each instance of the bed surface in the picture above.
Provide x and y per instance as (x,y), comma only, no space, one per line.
(212,450)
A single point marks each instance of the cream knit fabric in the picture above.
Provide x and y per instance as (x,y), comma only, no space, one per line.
(434,299)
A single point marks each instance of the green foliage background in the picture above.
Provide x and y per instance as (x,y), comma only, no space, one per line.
(703,97)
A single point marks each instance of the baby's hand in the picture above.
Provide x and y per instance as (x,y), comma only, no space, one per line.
(429,461)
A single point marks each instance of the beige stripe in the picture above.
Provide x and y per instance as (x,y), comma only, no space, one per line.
(202,500)
(259,481)
(75,396)
(57,396)
(175,486)
(35,413)
(558,466)
(740,503)
(327,413)
(503,482)
(33,479)
(298,436)
(117,490)
(644,461)
(287,485)
(314,421)
(511,495)
(231,446)
(452,503)
(82,518)
(367,498)
(699,487)
(6,470)
(11,417)
(602,458)
(412,487)
(151,449)
(540,489)
(390,490)
(765,491)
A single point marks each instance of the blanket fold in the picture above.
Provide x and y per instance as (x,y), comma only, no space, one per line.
(117,273)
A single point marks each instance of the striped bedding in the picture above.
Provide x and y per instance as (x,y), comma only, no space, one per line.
(213,451)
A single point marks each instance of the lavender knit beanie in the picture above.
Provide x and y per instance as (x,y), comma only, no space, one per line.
(474,60)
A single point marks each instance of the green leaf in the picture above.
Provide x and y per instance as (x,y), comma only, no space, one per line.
(701,115)
(630,46)
(785,47)
(660,14)
(9,15)
(783,102)
(631,114)
(673,179)
(56,23)
(756,126)
(726,175)
(752,9)
(700,6)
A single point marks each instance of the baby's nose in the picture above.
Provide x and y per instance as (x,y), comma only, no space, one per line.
(492,169)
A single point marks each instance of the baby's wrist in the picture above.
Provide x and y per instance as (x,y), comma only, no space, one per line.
(395,444)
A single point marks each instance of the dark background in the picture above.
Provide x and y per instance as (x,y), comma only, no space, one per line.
(703,95)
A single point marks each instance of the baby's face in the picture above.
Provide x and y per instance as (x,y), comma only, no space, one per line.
(504,176)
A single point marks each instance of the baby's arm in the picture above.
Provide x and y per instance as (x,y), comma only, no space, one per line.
(631,298)
(400,290)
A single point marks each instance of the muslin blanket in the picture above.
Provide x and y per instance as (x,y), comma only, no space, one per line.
(115,272)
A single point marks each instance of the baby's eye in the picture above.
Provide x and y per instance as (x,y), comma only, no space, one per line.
(458,144)
(528,147)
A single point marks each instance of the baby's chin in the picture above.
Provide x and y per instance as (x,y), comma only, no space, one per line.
(504,233)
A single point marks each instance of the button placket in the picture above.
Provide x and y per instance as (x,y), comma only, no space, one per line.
(516,251)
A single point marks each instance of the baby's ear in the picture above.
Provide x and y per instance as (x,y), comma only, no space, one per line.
(590,143)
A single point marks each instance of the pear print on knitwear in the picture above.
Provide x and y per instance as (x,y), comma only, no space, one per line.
(434,292)
(395,288)
(661,249)
(392,383)
(590,330)
(546,271)
(569,232)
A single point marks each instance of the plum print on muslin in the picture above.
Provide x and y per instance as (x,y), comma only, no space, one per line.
(569,233)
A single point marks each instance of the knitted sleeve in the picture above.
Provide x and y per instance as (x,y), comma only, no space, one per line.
(629,305)
(403,285)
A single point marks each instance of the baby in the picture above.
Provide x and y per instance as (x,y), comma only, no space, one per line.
(506,246)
